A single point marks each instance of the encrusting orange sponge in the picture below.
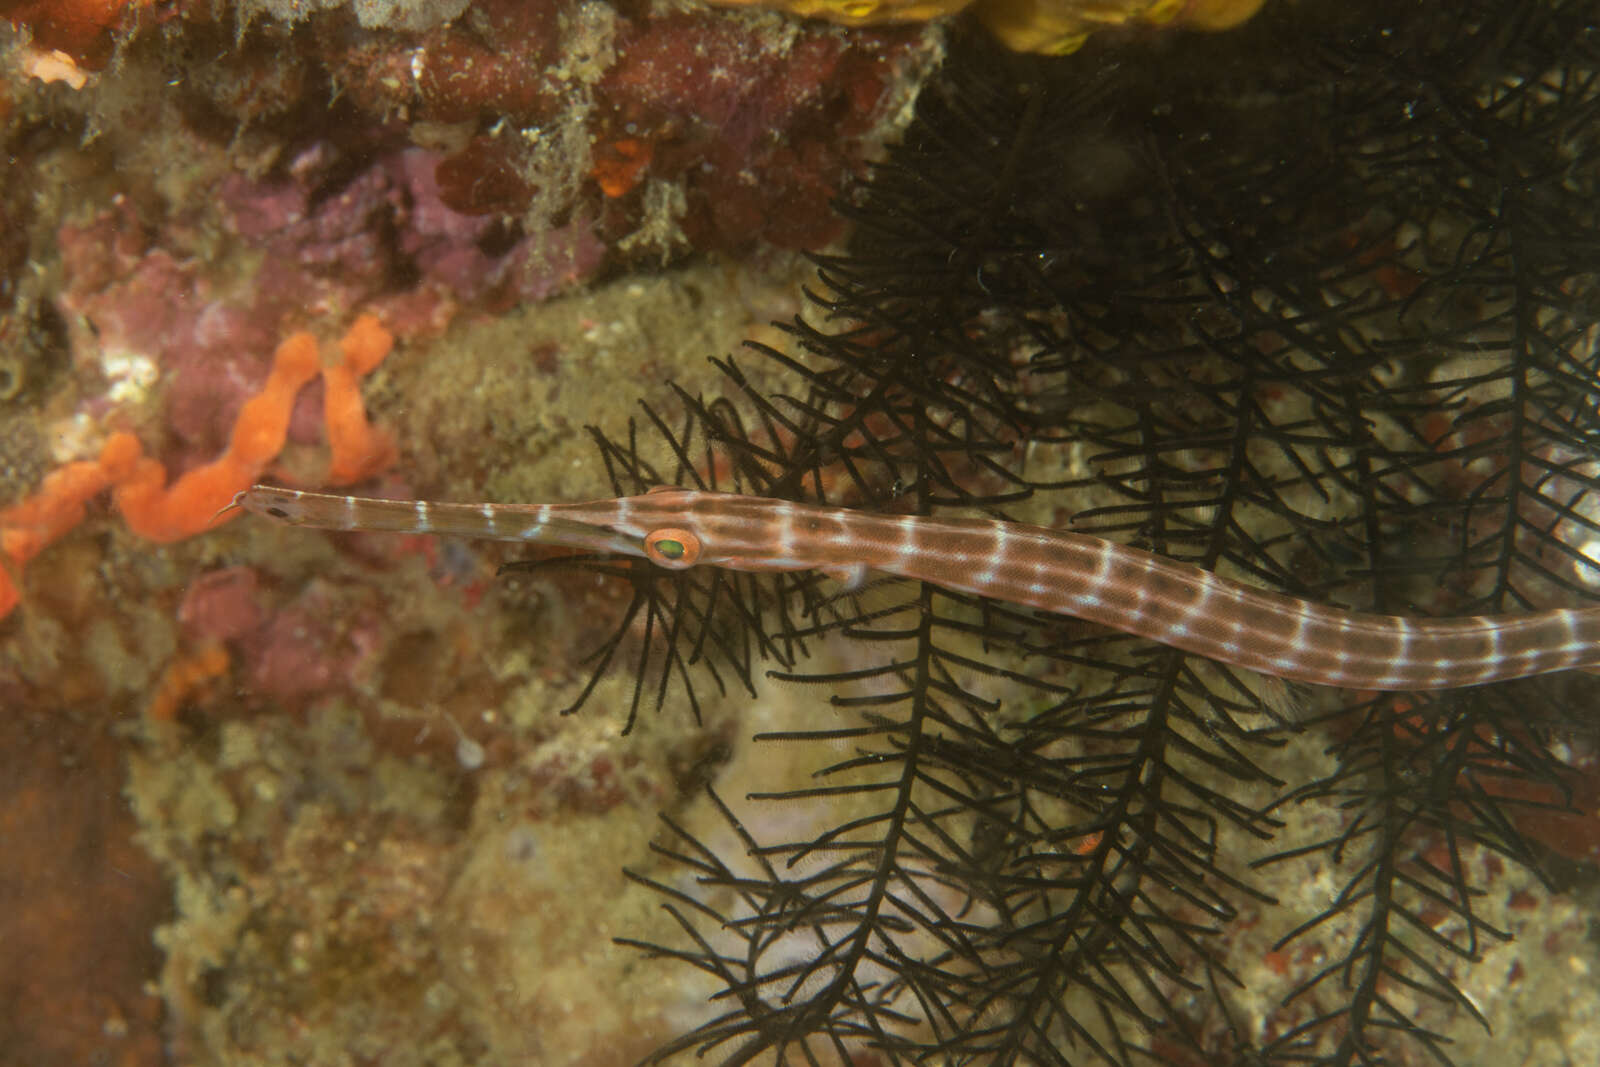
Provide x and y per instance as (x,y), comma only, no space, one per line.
(190,505)
(26,528)
(359,450)
(183,678)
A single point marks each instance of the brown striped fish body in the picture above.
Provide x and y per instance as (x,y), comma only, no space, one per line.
(1057,571)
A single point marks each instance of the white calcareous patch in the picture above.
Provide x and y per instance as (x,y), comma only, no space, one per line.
(131,375)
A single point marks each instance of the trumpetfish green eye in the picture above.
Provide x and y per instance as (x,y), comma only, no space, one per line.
(672,547)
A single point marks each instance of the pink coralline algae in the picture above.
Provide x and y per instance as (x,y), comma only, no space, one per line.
(387,231)
(448,246)
(223,605)
(156,299)
(147,302)
(385,240)
(300,654)
(214,367)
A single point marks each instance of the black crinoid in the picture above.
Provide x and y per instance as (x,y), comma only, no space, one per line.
(1313,304)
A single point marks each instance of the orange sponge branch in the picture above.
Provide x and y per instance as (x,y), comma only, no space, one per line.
(165,513)
(189,506)
(26,528)
(359,450)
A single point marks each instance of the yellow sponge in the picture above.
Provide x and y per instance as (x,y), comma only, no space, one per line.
(1057,27)
(1053,27)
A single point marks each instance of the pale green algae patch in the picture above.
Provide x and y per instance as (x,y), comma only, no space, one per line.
(497,410)
(336,904)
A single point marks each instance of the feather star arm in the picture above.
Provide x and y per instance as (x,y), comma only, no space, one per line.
(1057,571)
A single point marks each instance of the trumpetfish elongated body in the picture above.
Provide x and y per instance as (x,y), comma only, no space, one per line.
(1074,574)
